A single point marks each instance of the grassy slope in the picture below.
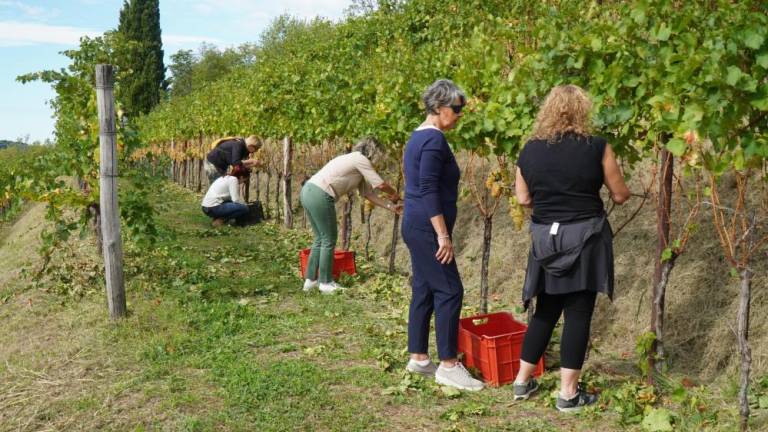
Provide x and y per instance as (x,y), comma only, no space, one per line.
(220,337)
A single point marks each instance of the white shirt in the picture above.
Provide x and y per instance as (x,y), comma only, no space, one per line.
(223,189)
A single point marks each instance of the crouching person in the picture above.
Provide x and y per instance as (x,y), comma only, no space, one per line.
(223,201)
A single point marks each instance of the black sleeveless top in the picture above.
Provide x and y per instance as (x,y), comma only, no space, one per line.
(564,177)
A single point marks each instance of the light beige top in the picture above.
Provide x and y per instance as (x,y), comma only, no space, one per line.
(346,172)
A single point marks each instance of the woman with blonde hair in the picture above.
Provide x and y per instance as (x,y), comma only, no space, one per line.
(560,173)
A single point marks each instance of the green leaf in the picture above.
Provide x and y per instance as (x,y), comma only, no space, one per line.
(753,39)
(738,160)
(761,103)
(450,392)
(488,124)
(664,32)
(638,15)
(762,402)
(658,420)
(666,254)
(733,75)
(677,146)
(762,60)
(679,395)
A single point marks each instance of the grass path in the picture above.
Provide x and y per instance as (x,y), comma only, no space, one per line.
(221,337)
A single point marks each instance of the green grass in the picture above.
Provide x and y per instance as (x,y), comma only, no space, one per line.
(221,337)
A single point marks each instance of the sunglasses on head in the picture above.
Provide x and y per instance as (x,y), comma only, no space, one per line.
(457,108)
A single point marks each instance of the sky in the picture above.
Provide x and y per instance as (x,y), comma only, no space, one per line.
(34,32)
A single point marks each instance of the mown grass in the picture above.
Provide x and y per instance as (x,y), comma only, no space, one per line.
(221,337)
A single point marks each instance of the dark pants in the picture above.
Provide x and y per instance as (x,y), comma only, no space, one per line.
(578,308)
(227,210)
(435,288)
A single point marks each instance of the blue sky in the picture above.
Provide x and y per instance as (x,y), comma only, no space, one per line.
(33,32)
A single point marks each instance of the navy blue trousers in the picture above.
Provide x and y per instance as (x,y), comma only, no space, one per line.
(435,288)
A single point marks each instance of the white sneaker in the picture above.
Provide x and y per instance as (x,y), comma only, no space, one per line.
(458,377)
(330,287)
(415,367)
(309,284)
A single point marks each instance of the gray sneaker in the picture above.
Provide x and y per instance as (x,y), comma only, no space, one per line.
(576,403)
(414,367)
(524,391)
(458,377)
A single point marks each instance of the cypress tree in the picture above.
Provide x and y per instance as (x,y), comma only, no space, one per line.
(141,89)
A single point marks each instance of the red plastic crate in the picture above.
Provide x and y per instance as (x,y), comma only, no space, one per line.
(491,343)
(343,262)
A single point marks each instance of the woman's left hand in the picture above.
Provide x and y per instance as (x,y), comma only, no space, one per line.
(445,250)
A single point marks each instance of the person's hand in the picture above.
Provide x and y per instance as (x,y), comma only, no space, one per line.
(394,208)
(395,198)
(445,249)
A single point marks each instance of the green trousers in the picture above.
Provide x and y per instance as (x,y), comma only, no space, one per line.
(321,209)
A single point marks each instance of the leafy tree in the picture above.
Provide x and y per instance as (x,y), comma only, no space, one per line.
(182,64)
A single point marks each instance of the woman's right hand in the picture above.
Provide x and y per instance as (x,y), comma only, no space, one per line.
(445,250)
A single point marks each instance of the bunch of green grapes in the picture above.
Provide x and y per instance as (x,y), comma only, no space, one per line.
(498,182)
(516,212)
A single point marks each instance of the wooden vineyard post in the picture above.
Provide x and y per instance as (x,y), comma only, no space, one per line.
(173,159)
(184,165)
(287,158)
(200,164)
(346,222)
(110,220)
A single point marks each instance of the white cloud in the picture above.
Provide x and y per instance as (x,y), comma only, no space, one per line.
(16,33)
(29,11)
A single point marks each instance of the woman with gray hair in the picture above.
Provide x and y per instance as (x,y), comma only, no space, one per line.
(318,197)
(431,191)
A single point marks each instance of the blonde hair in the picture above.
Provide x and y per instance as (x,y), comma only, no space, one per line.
(567,108)
(253,141)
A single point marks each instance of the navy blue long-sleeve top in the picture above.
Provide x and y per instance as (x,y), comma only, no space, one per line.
(431,180)
(228,153)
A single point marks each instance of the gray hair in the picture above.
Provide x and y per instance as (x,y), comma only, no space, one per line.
(368,147)
(441,93)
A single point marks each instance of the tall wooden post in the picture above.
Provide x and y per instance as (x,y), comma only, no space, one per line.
(110,220)
(173,159)
(202,153)
(184,172)
(287,158)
